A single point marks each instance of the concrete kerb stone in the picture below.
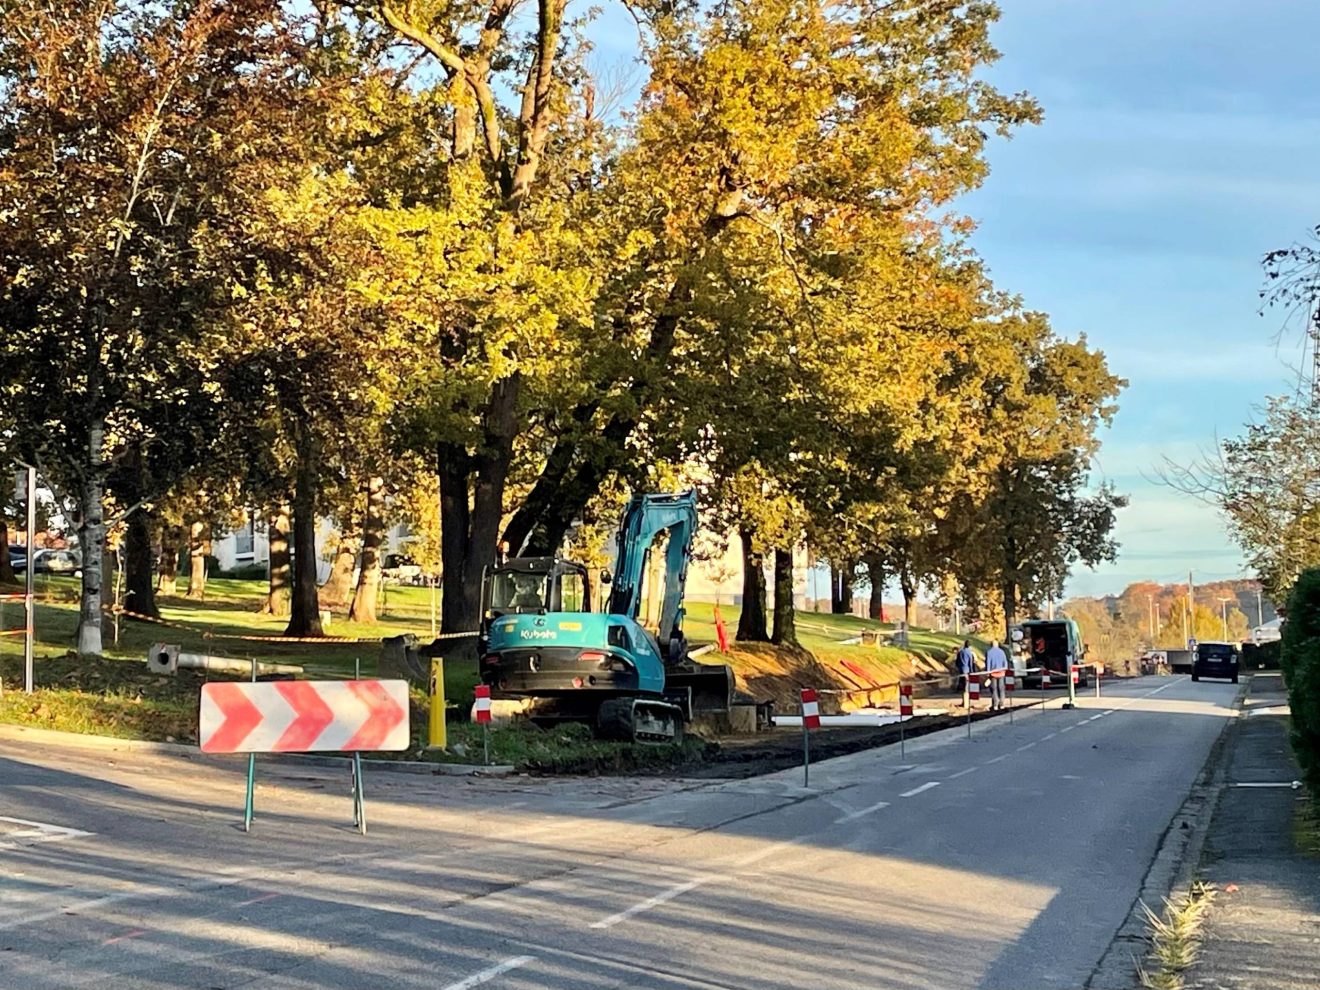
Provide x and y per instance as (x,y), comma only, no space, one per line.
(78,740)
(1173,868)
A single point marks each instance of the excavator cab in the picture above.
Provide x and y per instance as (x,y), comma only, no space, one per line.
(535,584)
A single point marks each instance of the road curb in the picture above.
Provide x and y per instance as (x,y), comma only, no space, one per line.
(1174,865)
(79,740)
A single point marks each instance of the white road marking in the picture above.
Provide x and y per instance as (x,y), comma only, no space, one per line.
(650,902)
(30,832)
(853,816)
(996,759)
(924,787)
(486,975)
(961,773)
(1050,736)
(1069,728)
(1025,746)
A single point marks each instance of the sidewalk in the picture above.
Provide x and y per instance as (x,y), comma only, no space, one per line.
(1264,928)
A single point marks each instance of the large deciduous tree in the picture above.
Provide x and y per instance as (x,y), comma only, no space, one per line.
(123,129)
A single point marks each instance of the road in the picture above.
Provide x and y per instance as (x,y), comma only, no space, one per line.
(1006,861)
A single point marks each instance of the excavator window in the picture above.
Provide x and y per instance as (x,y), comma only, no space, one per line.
(518,591)
(571,593)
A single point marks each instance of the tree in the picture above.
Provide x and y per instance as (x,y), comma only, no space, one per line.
(762,125)
(124,129)
(1267,484)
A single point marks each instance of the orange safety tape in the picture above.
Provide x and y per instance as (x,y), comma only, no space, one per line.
(13,632)
(13,598)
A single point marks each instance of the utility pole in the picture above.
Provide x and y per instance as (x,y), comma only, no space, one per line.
(1191,601)
(1223,614)
(1150,616)
(1260,609)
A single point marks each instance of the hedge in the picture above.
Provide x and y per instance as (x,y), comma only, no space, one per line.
(1300,659)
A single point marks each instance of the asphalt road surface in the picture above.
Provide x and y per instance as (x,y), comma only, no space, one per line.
(1006,861)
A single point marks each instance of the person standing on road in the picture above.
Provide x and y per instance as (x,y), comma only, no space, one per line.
(966,668)
(996,665)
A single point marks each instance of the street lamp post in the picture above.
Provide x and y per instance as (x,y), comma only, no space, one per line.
(1223,614)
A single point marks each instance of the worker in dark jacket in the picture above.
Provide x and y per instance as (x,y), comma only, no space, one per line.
(966,667)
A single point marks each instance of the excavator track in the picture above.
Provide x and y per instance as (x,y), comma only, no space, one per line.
(640,720)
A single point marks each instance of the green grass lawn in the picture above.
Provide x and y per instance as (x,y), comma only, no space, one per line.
(117,697)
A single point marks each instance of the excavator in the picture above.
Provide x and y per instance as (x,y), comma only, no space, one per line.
(540,643)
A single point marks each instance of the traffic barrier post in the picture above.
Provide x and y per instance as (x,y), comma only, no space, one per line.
(252,771)
(359,802)
(904,712)
(482,706)
(810,720)
(1099,673)
(437,736)
(1010,686)
(973,695)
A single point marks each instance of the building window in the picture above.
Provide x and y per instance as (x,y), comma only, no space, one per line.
(243,539)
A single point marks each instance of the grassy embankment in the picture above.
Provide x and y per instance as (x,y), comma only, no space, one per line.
(117,697)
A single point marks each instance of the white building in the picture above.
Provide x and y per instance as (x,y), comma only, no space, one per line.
(249,545)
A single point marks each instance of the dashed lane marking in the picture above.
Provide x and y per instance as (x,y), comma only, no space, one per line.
(488,974)
(961,773)
(651,902)
(917,790)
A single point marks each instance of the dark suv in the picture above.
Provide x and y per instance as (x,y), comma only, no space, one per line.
(1216,660)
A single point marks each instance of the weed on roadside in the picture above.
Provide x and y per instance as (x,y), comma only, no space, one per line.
(1175,937)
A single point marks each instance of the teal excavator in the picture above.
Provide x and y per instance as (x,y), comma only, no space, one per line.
(540,642)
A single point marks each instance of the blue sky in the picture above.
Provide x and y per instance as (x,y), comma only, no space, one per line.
(1180,143)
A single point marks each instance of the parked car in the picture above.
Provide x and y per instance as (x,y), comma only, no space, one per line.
(399,568)
(51,562)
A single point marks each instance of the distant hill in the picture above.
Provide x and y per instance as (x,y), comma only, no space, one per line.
(1152,615)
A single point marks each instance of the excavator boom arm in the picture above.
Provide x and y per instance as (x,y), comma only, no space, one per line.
(646,517)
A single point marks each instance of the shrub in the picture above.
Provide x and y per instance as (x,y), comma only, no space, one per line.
(1300,660)
(245,572)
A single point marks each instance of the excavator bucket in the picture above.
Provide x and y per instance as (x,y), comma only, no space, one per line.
(709,687)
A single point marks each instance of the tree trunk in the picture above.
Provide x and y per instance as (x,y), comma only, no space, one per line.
(875,573)
(305,613)
(280,571)
(471,507)
(198,543)
(167,583)
(909,597)
(334,593)
(457,609)
(91,539)
(7,575)
(841,588)
(751,623)
(373,535)
(1010,609)
(139,590)
(785,633)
